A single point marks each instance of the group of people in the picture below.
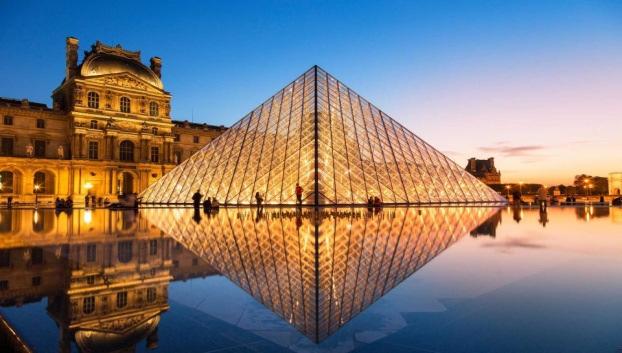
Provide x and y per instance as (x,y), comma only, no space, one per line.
(92,200)
(374,202)
(210,203)
(62,204)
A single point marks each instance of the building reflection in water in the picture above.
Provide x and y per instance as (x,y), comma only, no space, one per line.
(589,212)
(318,269)
(489,227)
(105,274)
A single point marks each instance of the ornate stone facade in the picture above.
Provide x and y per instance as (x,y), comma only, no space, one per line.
(109,131)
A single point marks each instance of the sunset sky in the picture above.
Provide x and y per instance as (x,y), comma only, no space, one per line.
(535,84)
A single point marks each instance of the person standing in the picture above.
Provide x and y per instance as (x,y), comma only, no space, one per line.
(196,199)
(299,194)
(258,199)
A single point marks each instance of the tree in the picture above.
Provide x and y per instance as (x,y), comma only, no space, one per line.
(595,184)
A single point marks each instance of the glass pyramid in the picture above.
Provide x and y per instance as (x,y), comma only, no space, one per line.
(339,147)
(318,269)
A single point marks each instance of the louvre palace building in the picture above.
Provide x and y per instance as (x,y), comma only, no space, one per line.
(109,131)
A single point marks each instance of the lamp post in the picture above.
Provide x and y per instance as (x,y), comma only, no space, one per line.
(508,187)
(520,188)
(37,187)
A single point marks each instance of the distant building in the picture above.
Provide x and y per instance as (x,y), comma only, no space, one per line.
(484,170)
(615,183)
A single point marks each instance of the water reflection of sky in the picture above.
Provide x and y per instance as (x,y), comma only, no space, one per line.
(505,286)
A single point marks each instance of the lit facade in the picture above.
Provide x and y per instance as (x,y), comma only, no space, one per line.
(105,274)
(109,131)
(615,183)
(339,147)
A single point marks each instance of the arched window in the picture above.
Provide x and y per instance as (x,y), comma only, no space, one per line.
(126,151)
(93,100)
(6,182)
(154,109)
(124,104)
(43,182)
(39,183)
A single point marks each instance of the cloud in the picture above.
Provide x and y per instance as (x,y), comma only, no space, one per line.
(512,151)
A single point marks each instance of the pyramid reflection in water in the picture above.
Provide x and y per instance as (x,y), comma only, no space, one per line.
(339,147)
(318,269)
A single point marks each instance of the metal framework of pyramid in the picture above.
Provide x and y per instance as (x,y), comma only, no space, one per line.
(318,270)
(339,147)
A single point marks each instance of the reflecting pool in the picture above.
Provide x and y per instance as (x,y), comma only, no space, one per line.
(450,279)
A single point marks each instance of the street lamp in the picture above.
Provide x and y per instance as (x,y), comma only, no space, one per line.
(508,187)
(520,187)
(37,187)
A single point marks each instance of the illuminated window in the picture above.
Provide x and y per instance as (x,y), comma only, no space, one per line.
(39,180)
(126,151)
(121,299)
(6,178)
(124,104)
(153,109)
(93,100)
(88,305)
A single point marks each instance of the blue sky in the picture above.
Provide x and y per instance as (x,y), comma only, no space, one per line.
(535,84)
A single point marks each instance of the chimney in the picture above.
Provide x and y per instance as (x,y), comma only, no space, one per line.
(472,164)
(156,66)
(71,57)
(491,163)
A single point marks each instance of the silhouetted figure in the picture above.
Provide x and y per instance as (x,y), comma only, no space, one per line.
(87,198)
(58,203)
(207,205)
(602,199)
(544,217)
(197,216)
(69,203)
(215,203)
(617,201)
(258,199)
(9,202)
(516,197)
(377,202)
(299,194)
(370,203)
(93,200)
(516,213)
(196,199)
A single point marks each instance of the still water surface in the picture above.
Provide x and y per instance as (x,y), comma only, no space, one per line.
(469,279)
